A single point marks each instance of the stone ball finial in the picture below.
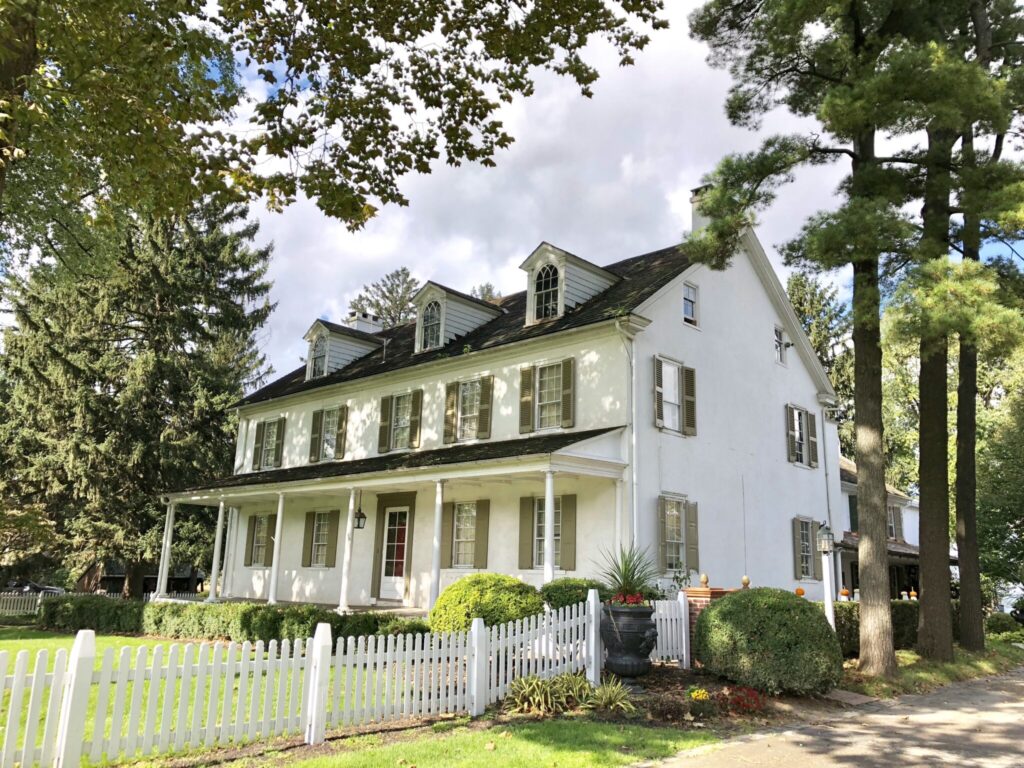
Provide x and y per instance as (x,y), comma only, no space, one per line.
(745,581)
(704,580)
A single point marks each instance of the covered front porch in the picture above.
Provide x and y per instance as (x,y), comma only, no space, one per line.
(393,531)
(904,570)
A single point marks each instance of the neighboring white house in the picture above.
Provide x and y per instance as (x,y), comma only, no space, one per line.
(651,400)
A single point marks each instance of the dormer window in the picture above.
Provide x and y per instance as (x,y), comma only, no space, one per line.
(318,357)
(545,302)
(431,326)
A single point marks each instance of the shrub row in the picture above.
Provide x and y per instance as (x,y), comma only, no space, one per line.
(1001,622)
(904,624)
(212,621)
(494,597)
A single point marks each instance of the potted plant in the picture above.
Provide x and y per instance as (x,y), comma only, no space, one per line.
(627,628)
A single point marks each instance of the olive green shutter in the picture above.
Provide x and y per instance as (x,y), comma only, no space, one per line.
(257,448)
(268,551)
(483,524)
(525,533)
(689,389)
(815,557)
(526,415)
(415,414)
(812,439)
(250,537)
(897,519)
(790,433)
(568,392)
(451,401)
(567,556)
(447,533)
(307,540)
(378,542)
(340,433)
(662,534)
(333,528)
(796,549)
(279,443)
(659,392)
(854,522)
(692,537)
(483,420)
(316,437)
(384,431)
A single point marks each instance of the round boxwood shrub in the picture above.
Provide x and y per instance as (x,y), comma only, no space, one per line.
(491,596)
(769,639)
(1001,622)
(569,591)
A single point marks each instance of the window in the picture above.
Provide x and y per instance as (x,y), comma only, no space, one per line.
(318,358)
(431,331)
(321,525)
(329,438)
(689,304)
(469,409)
(259,541)
(802,436)
(549,396)
(672,401)
(538,532)
(806,552)
(269,454)
(798,430)
(780,346)
(464,544)
(545,293)
(892,512)
(675,551)
(401,418)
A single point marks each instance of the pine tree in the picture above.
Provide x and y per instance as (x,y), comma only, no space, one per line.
(485,292)
(389,298)
(121,378)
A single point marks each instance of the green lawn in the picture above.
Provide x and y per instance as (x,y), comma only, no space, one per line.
(14,639)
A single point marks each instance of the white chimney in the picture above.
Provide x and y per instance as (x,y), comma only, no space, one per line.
(363,321)
(699,220)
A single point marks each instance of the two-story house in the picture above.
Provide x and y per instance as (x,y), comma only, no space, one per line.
(652,400)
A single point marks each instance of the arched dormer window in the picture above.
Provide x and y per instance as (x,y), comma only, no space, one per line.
(431,330)
(545,293)
(318,358)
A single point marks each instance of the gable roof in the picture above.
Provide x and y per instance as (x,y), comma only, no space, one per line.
(848,474)
(488,305)
(344,330)
(641,276)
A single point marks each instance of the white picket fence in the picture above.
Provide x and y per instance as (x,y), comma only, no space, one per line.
(19,603)
(188,597)
(145,702)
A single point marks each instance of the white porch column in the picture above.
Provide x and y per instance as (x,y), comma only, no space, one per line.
(275,564)
(826,572)
(549,526)
(215,570)
(346,560)
(165,552)
(227,575)
(435,558)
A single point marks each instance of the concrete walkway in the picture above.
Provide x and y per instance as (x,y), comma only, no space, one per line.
(978,723)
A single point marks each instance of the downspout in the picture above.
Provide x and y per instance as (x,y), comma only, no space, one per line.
(629,346)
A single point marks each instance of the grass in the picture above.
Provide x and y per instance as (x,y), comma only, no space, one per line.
(917,675)
(21,638)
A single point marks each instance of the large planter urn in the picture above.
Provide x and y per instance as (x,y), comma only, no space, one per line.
(628,634)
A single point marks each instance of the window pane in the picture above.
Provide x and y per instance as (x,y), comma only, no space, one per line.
(469,409)
(806,549)
(546,293)
(673,534)
(400,421)
(318,366)
(538,525)
(780,346)
(549,396)
(394,548)
(329,435)
(431,326)
(259,541)
(320,530)
(269,443)
(690,304)
(670,396)
(463,546)
(800,435)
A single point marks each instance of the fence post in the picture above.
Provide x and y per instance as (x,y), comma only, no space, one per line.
(594,652)
(684,607)
(315,700)
(75,700)
(479,659)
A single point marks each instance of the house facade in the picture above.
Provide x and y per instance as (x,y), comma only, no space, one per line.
(652,400)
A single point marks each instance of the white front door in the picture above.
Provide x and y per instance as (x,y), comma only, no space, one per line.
(392,577)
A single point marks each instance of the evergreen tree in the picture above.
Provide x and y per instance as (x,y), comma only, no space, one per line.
(389,298)
(120,377)
(485,292)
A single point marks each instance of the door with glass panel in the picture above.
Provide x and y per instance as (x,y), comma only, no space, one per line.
(392,578)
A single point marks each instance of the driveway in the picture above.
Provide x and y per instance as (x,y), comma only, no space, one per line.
(978,723)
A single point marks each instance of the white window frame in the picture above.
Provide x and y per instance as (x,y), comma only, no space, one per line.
(314,372)
(538,532)
(538,404)
(321,534)
(269,443)
(425,328)
(537,303)
(679,504)
(260,541)
(671,371)
(780,345)
(464,558)
(694,321)
(397,444)
(800,439)
(465,420)
(809,523)
(329,434)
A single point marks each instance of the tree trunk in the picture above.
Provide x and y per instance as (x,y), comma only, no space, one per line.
(134,576)
(17,61)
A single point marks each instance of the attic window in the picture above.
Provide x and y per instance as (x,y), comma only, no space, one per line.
(431,326)
(545,293)
(318,358)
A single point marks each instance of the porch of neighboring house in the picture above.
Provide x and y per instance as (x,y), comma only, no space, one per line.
(904,572)
(390,533)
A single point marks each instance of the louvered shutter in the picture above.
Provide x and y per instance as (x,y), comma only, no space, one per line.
(333,529)
(279,443)
(797,574)
(897,519)
(526,411)
(688,386)
(268,551)
(525,533)
(415,415)
(659,392)
(483,421)
(815,556)
(567,556)
(692,534)
(790,433)
(483,525)
(854,522)
(568,392)
(812,440)
(257,448)
(341,433)
(250,537)
(307,539)
(451,404)
(447,534)
(316,437)
(384,430)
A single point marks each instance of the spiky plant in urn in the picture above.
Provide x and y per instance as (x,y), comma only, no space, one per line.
(627,628)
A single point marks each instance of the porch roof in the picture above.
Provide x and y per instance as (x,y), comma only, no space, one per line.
(851,541)
(485,451)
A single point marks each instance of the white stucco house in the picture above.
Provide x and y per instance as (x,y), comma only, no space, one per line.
(651,400)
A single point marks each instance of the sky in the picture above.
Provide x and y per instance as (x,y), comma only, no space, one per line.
(605,178)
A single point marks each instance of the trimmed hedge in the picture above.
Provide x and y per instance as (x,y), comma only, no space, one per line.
(492,596)
(1001,622)
(211,621)
(569,591)
(904,624)
(769,639)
